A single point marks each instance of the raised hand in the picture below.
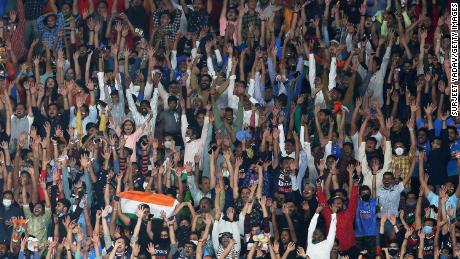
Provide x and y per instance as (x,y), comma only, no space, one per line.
(290,247)
(151,249)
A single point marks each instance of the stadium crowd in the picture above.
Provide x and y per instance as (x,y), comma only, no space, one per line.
(227,129)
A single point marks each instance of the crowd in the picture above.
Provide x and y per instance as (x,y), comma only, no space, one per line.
(227,129)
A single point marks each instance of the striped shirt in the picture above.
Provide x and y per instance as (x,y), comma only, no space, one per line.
(232,255)
(16,32)
(173,25)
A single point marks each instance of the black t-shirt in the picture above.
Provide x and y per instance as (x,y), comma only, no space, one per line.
(162,251)
(138,17)
(428,248)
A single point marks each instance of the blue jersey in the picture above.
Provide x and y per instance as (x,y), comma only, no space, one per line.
(366,219)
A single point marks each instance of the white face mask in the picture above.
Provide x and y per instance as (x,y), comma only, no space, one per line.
(399,151)
(7,202)
(167,144)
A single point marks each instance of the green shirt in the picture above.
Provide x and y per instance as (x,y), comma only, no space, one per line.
(38,226)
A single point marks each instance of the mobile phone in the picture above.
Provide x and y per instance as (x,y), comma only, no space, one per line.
(260,162)
(171,218)
(150,217)
(116,198)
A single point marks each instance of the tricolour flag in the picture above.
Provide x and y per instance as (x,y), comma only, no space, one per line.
(130,201)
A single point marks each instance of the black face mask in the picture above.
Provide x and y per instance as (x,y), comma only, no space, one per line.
(183,233)
(393,251)
(366,197)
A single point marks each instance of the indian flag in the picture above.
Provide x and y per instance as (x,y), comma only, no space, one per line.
(130,201)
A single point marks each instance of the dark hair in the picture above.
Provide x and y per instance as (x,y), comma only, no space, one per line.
(393,241)
(364,188)
(234,9)
(201,111)
(241,82)
(123,125)
(65,203)
(388,173)
(340,190)
(452,128)
(172,98)
(228,109)
(372,139)
(282,98)
(431,220)
(422,130)
(204,75)
(291,141)
(8,192)
(332,156)
(145,102)
(348,144)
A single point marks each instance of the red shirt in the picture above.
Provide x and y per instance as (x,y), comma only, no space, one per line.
(345,219)
(84,5)
(434,15)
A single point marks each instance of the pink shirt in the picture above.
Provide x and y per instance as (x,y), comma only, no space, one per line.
(223,25)
(131,140)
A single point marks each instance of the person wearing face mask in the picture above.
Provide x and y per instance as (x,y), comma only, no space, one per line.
(345,217)
(9,210)
(392,251)
(366,219)
(402,157)
(437,158)
(319,246)
(426,238)
(408,206)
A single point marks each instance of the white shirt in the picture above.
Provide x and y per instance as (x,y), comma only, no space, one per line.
(321,250)
(367,172)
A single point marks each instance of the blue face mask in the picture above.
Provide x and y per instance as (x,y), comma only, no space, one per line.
(427,229)
(441,256)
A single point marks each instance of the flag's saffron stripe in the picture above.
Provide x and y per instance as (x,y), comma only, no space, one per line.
(150,198)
